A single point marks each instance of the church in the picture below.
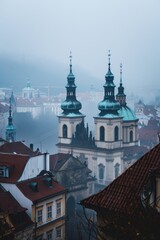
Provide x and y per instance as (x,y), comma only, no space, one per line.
(115,128)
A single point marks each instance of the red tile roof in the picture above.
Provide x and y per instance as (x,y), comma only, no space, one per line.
(8,203)
(123,194)
(43,190)
(16,147)
(16,164)
(17,214)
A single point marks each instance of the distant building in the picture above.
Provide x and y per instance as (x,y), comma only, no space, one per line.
(28,92)
(129,207)
(115,127)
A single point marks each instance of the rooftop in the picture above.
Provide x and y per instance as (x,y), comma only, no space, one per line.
(124,193)
(17,148)
(39,188)
(15,163)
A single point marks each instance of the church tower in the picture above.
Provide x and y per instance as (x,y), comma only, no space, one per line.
(130,122)
(108,123)
(10,129)
(71,115)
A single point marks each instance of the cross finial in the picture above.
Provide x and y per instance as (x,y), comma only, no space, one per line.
(70,62)
(120,72)
(109,55)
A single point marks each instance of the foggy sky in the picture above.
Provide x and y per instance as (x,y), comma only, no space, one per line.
(47,30)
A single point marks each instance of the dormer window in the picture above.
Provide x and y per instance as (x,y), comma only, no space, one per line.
(4,171)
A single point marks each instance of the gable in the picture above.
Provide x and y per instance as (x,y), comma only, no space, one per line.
(71,163)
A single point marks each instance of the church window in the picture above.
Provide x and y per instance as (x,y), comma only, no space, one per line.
(131,136)
(102,133)
(65,131)
(116,169)
(101,171)
(116,133)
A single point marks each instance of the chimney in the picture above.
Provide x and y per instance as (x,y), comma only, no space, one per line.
(31,146)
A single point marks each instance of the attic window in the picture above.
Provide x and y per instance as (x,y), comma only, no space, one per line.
(4,171)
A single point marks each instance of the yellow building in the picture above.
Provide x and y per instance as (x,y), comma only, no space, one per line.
(47,206)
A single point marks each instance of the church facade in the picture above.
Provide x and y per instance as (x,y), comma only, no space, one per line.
(115,127)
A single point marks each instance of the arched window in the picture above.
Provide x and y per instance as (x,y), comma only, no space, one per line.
(64,131)
(116,169)
(101,171)
(102,131)
(131,136)
(116,133)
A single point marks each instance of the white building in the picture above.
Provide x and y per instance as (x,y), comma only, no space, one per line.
(115,129)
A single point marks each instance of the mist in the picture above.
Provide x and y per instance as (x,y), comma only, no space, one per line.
(44,32)
(41,131)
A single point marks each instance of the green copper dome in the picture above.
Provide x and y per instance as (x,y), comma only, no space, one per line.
(127,114)
(109,105)
(71,105)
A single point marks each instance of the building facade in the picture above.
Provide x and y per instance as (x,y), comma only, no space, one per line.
(115,128)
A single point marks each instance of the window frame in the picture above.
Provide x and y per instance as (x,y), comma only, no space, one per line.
(102,134)
(116,134)
(49,235)
(49,211)
(39,217)
(58,208)
(65,131)
(58,232)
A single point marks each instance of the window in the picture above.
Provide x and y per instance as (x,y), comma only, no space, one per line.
(58,208)
(90,186)
(116,133)
(64,131)
(102,131)
(4,171)
(131,136)
(49,235)
(39,215)
(101,171)
(58,232)
(116,169)
(49,211)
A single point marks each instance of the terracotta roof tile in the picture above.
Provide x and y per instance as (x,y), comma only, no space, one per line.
(43,190)
(8,203)
(16,164)
(16,147)
(123,194)
(17,213)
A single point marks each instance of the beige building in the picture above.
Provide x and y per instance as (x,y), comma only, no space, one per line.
(115,128)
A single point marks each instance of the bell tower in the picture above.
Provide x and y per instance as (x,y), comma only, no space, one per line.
(71,115)
(108,123)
